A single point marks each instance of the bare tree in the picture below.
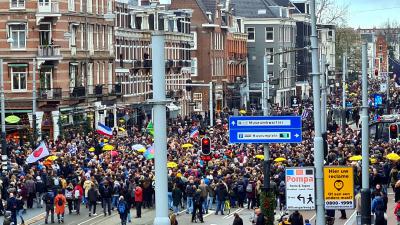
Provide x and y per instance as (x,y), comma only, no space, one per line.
(330,12)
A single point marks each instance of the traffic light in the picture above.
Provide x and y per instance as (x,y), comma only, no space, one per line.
(393,131)
(188,86)
(206,146)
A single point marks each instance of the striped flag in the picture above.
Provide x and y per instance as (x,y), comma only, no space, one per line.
(194,133)
(305,114)
(72,150)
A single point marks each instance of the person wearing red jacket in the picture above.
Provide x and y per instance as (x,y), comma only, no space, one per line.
(397,212)
(78,194)
(138,201)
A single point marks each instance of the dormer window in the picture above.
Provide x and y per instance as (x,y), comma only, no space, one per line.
(209,15)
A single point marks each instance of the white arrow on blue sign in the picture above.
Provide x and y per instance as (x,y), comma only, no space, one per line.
(265,129)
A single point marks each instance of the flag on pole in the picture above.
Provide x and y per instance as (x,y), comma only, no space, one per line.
(40,152)
(394,65)
(104,130)
(149,154)
(305,114)
(150,128)
(194,133)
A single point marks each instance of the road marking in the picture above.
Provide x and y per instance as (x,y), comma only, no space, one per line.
(208,214)
(182,211)
(313,217)
(231,215)
(351,219)
(89,220)
(35,219)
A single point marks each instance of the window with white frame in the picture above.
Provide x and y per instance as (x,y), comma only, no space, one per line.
(71,5)
(97,6)
(109,6)
(194,67)
(18,33)
(288,31)
(251,34)
(269,34)
(269,52)
(198,100)
(17,4)
(90,37)
(89,6)
(82,30)
(110,38)
(73,36)
(18,78)
(73,71)
(194,33)
(81,5)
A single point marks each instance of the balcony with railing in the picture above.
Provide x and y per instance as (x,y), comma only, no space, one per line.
(49,94)
(78,92)
(49,52)
(47,9)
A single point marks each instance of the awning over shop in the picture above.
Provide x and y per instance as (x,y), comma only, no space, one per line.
(17,65)
(173,107)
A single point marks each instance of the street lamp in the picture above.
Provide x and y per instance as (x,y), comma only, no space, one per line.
(4,153)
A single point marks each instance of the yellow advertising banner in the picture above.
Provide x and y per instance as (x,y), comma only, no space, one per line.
(338,187)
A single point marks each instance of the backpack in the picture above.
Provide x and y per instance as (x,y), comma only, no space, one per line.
(398,213)
(60,202)
(189,190)
(240,188)
(56,181)
(249,188)
(14,205)
(77,194)
(49,198)
(121,207)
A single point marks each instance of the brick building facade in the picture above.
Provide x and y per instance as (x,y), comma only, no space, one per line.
(71,44)
(218,52)
(134,26)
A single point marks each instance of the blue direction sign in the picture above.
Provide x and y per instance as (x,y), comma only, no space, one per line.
(265,129)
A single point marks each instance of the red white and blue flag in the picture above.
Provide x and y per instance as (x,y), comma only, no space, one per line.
(194,133)
(104,130)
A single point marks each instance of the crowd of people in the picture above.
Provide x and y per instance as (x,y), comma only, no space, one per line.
(82,174)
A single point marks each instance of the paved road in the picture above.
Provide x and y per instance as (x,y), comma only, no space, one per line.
(36,217)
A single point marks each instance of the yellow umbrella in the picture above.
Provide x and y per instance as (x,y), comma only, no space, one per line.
(91,149)
(355,158)
(187,145)
(393,156)
(108,148)
(105,140)
(242,111)
(172,164)
(259,156)
(52,158)
(280,159)
(373,160)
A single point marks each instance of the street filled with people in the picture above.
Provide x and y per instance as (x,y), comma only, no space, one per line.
(114,174)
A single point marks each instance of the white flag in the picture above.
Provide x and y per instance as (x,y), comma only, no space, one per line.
(40,152)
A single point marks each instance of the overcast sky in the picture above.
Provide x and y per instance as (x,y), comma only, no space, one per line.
(370,13)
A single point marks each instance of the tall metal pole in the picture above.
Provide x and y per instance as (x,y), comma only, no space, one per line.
(160,130)
(266,113)
(211,105)
(318,141)
(4,152)
(34,122)
(323,95)
(365,193)
(387,93)
(344,74)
